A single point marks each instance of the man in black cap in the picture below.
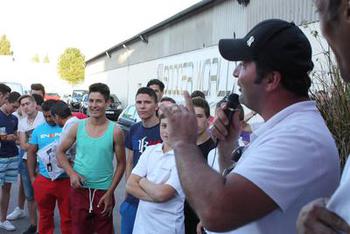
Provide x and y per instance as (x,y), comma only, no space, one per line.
(292,157)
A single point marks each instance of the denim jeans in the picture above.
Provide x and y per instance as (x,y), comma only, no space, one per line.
(23,171)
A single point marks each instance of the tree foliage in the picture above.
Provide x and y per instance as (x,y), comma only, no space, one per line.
(5,46)
(46,59)
(71,66)
(36,58)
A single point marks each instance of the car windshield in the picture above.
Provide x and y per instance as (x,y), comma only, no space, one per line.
(78,93)
(85,98)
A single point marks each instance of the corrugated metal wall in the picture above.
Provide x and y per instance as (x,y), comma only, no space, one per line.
(203,29)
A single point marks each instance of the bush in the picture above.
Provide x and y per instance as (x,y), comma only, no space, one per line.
(332,95)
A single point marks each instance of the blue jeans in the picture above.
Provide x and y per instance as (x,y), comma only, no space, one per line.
(23,171)
(128,214)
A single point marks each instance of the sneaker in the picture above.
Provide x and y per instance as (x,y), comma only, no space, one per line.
(7,225)
(31,230)
(17,213)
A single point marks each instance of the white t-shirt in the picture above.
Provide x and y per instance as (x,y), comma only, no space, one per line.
(340,202)
(166,217)
(293,158)
(71,152)
(27,127)
(67,126)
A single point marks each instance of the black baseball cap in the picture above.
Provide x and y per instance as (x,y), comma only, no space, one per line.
(274,42)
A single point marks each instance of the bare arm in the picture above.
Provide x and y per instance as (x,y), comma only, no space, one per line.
(133,187)
(231,201)
(129,163)
(23,141)
(11,137)
(119,147)
(158,192)
(67,142)
(31,160)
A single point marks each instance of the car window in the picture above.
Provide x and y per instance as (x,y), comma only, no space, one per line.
(85,98)
(130,112)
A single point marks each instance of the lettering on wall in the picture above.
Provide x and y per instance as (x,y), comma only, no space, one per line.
(211,75)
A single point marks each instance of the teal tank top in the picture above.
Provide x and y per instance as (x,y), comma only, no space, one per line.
(94,157)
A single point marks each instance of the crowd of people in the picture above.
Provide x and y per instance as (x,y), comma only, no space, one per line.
(186,171)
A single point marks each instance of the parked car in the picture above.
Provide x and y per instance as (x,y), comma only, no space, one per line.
(128,117)
(114,109)
(84,104)
(77,97)
(52,96)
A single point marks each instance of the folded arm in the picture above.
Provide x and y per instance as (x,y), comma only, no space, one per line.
(133,187)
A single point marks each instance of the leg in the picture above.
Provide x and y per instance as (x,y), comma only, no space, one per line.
(102,224)
(62,186)
(128,215)
(4,201)
(46,204)
(10,167)
(21,197)
(28,193)
(82,221)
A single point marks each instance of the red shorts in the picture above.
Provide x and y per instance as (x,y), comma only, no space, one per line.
(85,222)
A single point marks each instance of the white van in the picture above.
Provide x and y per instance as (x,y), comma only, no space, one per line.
(16,87)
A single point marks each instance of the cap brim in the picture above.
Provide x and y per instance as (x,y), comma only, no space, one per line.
(235,49)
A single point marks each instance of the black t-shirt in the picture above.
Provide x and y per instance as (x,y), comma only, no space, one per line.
(191,219)
(206,147)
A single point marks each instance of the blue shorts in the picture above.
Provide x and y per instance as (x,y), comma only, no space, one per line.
(8,170)
(27,184)
(128,214)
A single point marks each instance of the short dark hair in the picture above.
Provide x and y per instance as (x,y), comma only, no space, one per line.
(61,109)
(13,97)
(48,104)
(38,86)
(298,83)
(202,103)
(38,99)
(167,99)
(150,92)
(26,96)
(156,82)
(4,88)
(100,88)
(197,93)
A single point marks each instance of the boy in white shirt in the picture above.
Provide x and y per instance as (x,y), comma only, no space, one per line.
(155,181)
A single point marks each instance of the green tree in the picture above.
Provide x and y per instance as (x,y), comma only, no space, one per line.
(36,58)
(5,46)
(71,66)
(46,59)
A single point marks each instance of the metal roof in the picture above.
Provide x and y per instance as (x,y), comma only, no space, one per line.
(200,6)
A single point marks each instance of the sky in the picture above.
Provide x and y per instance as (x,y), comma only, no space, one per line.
(47,27)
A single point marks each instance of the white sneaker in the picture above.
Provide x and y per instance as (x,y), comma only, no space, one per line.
(17,213)
(7,225)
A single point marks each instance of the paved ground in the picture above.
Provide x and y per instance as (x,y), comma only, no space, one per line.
(22,224)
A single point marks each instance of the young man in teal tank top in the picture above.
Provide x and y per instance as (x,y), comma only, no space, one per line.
(92,178)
